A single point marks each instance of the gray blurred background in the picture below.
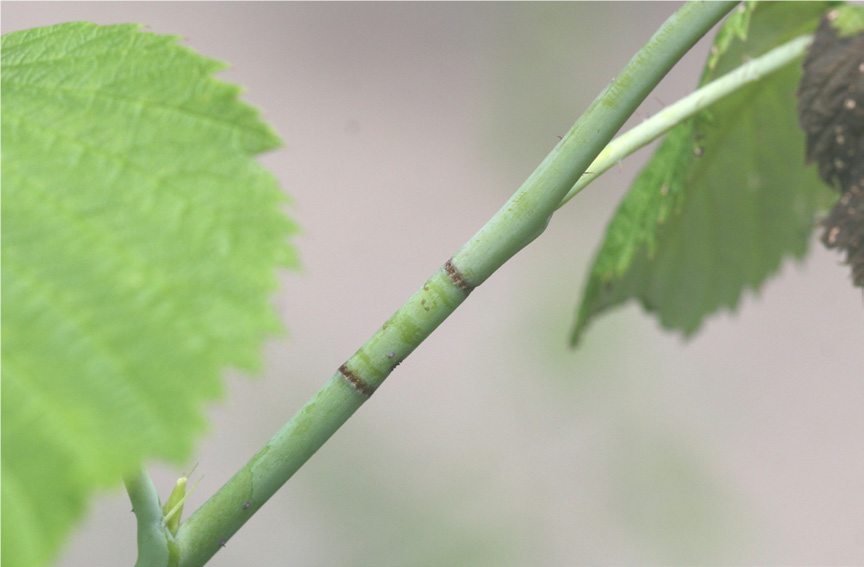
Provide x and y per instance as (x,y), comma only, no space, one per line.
(406,127)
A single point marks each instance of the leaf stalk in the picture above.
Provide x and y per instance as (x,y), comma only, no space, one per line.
(689,106)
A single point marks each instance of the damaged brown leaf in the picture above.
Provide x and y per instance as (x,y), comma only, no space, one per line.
(831,112)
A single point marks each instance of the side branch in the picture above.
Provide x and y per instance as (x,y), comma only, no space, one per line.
(154,539)
(689,106)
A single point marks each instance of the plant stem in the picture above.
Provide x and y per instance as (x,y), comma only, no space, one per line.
(153,536)
(523,218)
(672,115)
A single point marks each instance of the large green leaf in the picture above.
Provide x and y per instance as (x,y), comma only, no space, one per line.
(140,245)
(725,198)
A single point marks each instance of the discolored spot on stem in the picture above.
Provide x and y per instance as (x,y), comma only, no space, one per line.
(457,278)
(356,382)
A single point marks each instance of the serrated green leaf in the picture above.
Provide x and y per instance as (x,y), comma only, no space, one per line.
(848,20)
(736,26)
(726,197)
(140,245)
